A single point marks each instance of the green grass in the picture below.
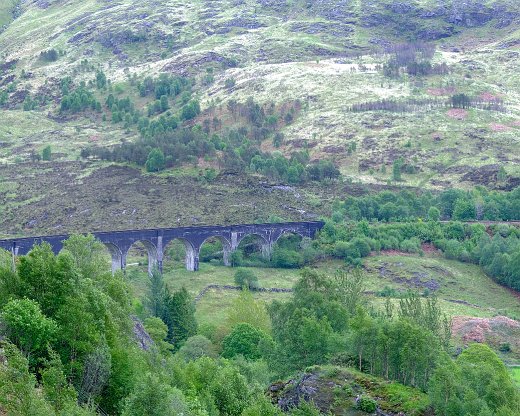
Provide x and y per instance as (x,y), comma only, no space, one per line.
(464,290)
(6,11)
(515,373)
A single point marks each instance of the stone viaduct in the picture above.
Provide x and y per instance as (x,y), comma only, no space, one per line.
(156,240)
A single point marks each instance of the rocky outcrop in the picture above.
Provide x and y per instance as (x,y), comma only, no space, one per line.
(143,339)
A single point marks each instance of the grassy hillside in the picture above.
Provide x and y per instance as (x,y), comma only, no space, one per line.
(325,56)
(7,11)
(463,291)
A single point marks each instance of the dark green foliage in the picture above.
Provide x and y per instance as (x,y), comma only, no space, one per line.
(367,404)
(79,100)
(101,80)
(157,292)
(47,153)
(243,340)
(460,101)
(287,259)
(190,110)
(156,161)
(396,169)
(229,83)
(246,278)
(29,104)
(50,55)
(167,85)
(151,396)
(179,316)
(405,205)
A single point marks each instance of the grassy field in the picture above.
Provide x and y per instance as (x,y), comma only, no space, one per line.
(515,372)
(6,11)
(463,290)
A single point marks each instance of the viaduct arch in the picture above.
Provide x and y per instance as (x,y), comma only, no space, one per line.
(155,241)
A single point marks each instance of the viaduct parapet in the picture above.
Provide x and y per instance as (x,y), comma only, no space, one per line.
(156,240)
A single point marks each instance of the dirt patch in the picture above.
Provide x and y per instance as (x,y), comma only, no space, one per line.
(483,175)
(494,331)
(334,149)
(488,96)
(439,92)
(416,279)
(499,127)
(457,114)
(429,249)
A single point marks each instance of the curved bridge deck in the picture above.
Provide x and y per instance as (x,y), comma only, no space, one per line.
(156,240)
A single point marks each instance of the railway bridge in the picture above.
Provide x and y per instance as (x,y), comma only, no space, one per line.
(156,240)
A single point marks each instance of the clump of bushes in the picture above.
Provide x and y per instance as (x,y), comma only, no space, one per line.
(367,404)
(246,278)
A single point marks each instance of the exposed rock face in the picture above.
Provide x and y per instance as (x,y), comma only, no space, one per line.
(296,391)
(144,341)
(418,19)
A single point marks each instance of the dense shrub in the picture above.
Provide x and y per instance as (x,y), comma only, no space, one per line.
(246,278)
(286,259)
(243,340)
(366,404)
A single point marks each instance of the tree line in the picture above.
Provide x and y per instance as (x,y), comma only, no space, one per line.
(72,348)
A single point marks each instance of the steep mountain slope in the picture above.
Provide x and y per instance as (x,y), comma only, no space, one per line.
(320,67)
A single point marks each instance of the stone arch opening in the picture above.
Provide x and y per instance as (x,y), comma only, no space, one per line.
(252,249)
(291,249)
(216,250)
(141,253)
(179,253)
(116,256)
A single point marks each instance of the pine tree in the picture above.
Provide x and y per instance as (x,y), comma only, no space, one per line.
(179,316)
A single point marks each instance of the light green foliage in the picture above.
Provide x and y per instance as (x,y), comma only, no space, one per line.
(56,389)
(464,210)
(434,214)
(196,347)
(476,383)
(18,395)
(89,255)
(305,409)
(230,391)
(350,286)
(305,329)
(261,407)
(216,386)
(245,309)
(152,396)
(243,340)
(27,327)
(158,331)
(246,278)
(46,278)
